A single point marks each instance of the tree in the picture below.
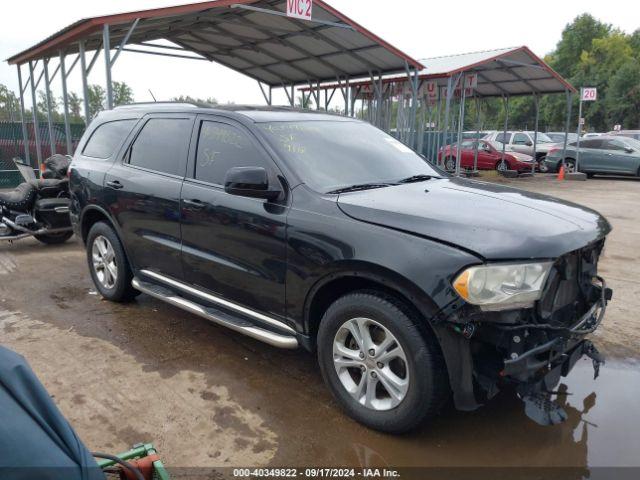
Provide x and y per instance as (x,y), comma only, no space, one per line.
(122,94)
(577,37)
(9,106)
(75,107)
(304,101)
(42,107)
(190,99)
(97,99)
(623,97)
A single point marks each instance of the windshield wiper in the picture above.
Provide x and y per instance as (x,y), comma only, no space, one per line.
(360,186)
(417,178)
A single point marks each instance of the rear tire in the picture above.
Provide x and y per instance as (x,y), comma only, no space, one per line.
(411,365)
(108,264)
(502,165)
(450,164)
(54,238)
(543,167)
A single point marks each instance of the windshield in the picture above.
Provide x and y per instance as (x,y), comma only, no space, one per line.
(330,155)
(542,137)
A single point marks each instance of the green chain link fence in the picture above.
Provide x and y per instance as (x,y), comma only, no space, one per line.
(11,146)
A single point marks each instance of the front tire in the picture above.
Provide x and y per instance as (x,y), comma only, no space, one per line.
(381,364)
(108,264)
(569,165)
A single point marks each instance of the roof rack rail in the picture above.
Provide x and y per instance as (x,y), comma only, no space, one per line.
(173,104)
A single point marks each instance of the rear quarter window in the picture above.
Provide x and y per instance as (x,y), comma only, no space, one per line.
(106,139)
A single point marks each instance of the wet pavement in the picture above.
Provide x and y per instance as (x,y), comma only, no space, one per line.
(208,397)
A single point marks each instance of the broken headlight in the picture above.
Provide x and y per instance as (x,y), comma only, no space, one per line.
(503,286)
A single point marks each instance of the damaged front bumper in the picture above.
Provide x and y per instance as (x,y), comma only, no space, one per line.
(530,357)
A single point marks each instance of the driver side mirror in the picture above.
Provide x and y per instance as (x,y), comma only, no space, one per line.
(629,150)
(529,143)
(250,182)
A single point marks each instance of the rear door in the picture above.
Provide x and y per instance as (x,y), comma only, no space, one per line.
(592,156)
(142,190)
(233,246)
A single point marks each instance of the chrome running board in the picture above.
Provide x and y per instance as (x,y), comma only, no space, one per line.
(216,316)
(217,300)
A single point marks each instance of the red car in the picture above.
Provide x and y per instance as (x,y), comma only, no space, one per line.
(488,157)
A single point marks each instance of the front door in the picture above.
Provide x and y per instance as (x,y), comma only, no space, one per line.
(142,190)
(233,246)
(620,159)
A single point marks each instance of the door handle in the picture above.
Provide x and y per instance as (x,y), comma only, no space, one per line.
(195,204)
(115,184)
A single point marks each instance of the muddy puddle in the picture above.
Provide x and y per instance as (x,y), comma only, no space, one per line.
(603,430)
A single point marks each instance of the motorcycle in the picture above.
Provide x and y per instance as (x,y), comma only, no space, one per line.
(38,207)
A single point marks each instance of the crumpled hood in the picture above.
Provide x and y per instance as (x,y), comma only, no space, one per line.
(493,221)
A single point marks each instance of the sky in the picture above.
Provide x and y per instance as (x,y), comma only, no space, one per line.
(420,28)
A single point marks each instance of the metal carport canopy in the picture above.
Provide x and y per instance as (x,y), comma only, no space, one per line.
(501,72)
(253,37)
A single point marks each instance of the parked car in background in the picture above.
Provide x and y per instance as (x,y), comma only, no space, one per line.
(489,158)
(558,137)
(472,134)
(635,134)
(605,154)
(522,142)
(592,135)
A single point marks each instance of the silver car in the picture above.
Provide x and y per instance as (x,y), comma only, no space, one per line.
(522,142)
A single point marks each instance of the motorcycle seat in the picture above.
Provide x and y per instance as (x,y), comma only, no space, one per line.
(20,198)
(42,183)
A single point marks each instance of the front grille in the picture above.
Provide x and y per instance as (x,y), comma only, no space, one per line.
(569,291)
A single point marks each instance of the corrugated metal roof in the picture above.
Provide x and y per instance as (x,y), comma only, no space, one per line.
(271,48)
(451,63)
(504,71)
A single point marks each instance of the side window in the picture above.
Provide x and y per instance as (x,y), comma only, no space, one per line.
(107,138)
(502,138)
(614,145)
(591,143)
(162,145)
(520,139)
(222,147)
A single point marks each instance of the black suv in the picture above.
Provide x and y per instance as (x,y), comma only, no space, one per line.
(300,228)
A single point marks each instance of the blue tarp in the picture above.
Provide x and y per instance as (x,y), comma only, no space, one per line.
(36,441)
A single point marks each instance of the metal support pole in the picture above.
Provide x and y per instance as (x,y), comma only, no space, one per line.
(25,136)
(505,100)
(463,98)
(47,92)
(65,104)
(34,111)
(85,86)
(578,131)
(477,142)
(535,133)
(447,107)
(569,98)
(107,63)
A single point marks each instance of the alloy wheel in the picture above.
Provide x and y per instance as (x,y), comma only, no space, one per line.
(104,262)
(371,364)
(450,165)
